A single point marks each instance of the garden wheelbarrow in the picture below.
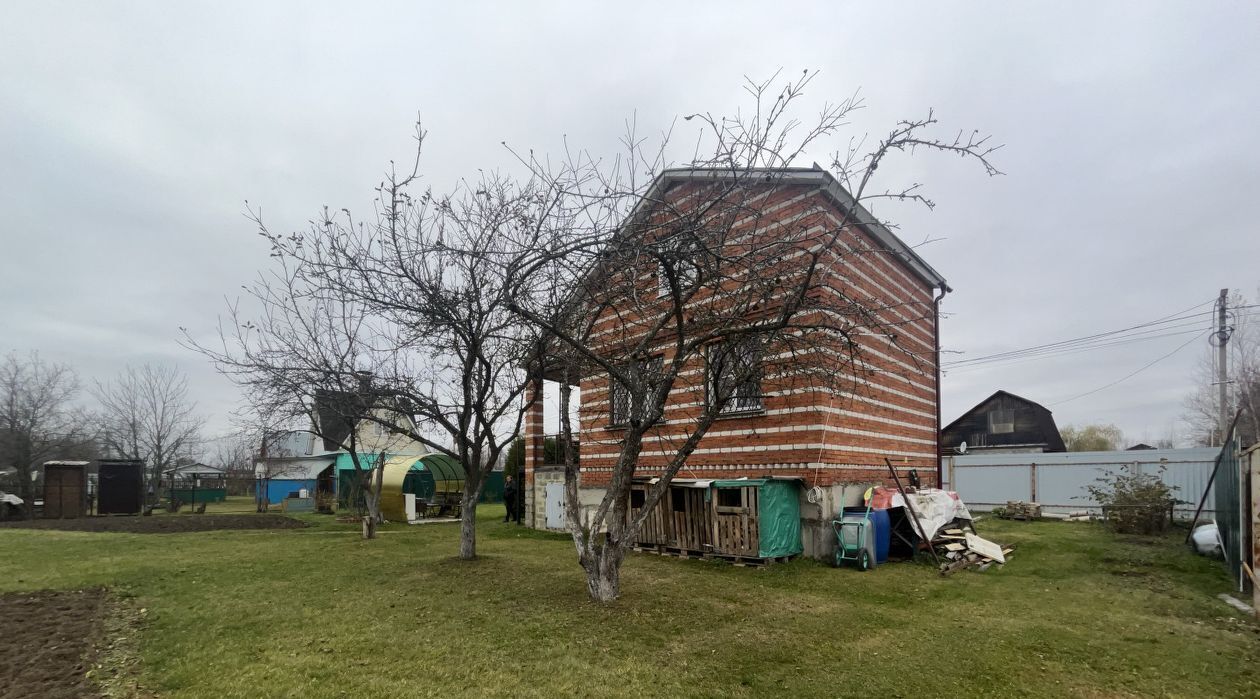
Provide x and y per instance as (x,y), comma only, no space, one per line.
(855,539)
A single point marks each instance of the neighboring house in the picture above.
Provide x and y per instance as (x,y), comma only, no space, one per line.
(288,464)
(319,460)
(1003,423)
(832,444)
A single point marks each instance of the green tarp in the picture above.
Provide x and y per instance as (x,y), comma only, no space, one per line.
(778,514)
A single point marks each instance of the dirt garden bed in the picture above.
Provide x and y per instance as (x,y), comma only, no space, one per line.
(49,642)
(170,524)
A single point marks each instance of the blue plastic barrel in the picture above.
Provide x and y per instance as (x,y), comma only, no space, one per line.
(883,530)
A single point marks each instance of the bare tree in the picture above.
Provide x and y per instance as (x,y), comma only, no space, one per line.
(38,419)
(1092,437)
(1202,405)
(305,362)
(708,288)
(432,272)
(235,453)
(148,414)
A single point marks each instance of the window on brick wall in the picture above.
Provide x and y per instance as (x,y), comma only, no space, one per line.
(623,406)
(679,254)
(735,376)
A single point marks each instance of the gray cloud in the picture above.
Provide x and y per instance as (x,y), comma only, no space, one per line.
(131,134)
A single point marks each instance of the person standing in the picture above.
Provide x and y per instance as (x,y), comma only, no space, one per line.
(509,500)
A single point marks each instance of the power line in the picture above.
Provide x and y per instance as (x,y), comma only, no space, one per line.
(1148,330)
(1172,318)
(1135,373)
(1076,350)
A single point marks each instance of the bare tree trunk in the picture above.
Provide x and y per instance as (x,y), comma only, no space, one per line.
(468,527)
(372,499)
(602,564)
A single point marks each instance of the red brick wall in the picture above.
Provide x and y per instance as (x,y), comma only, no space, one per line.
(887,407)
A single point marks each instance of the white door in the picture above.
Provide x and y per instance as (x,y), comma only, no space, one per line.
(555,505)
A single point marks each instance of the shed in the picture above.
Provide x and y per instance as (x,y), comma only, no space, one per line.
(120,487)
(65,489)
(741,518)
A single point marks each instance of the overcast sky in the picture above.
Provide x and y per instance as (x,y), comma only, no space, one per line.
(132,133)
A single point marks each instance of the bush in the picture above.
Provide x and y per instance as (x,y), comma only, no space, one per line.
(1135,503)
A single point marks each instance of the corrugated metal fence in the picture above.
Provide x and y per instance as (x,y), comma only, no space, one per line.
(1058,481)
(1229,504)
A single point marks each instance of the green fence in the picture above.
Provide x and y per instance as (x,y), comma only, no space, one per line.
(188,496)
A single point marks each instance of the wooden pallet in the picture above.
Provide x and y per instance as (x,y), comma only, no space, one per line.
(687,554)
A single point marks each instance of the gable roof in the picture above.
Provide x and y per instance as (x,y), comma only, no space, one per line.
(341,411)
(804,176)
(1045,419)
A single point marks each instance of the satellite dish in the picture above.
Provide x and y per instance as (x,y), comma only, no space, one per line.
(961,448)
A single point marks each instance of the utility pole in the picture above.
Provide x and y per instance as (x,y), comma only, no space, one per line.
(1222,375)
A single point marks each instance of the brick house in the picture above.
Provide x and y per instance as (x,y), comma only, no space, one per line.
(833,441)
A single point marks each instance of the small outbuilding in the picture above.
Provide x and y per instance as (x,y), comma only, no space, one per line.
(743,518)
(66,489)
(120,487)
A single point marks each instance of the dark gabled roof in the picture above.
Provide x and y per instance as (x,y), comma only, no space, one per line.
(340,411)
(1045,419)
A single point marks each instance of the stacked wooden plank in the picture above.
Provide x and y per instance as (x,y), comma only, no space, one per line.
(1018,509)
(959,549)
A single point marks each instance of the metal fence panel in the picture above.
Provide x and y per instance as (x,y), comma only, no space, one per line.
(1061,487)
(990,480)
(991,485)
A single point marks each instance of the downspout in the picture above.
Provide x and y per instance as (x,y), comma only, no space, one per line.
(936,341)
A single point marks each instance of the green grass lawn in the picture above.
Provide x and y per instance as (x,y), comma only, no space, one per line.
(321,613)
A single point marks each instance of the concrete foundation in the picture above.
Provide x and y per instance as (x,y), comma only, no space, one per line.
(818,538)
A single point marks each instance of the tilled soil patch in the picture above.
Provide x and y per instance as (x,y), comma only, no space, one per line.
(162,524)
(48,643)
